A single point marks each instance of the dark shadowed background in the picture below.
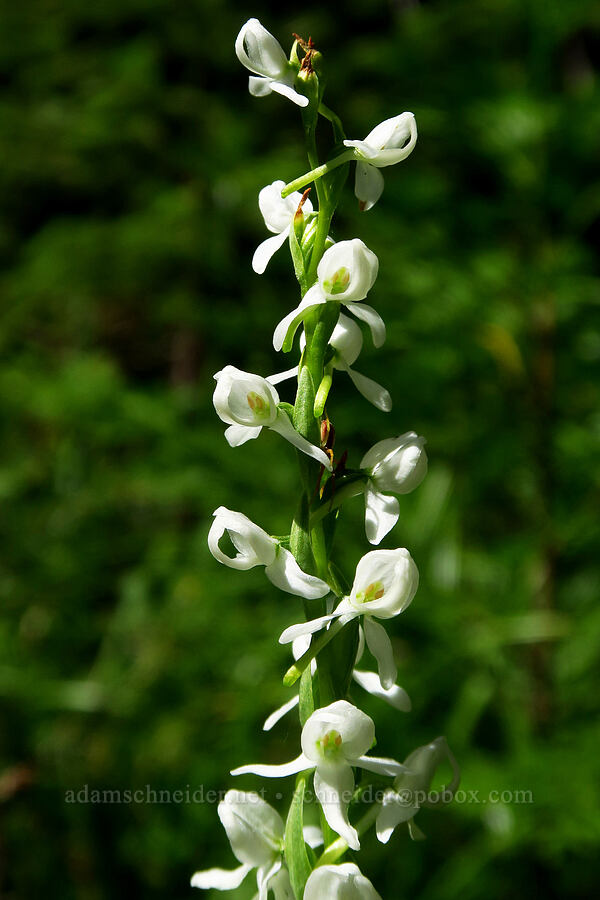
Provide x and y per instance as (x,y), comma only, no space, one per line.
(131,159)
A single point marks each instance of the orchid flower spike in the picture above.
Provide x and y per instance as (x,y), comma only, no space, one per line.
(248,403)
(394,466)
(347,341)
(261,53)
(334,739)
(346,274)
(387,144)
(384,584)
(396,696)
(256,548)
(279,218)
(412,789)
(342,882)
(255,831)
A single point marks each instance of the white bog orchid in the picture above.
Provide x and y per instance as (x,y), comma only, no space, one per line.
(387,144)
(261,53)
(256,548)
(412,789)
(342,882)
(346,274)
(384,584)
(255,831)
(397,466)
(396,696)
(278,214)
(347,341)
(248,403)
(334,739)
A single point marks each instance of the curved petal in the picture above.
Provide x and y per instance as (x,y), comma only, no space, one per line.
(334,786)
(282,376)
(380,764)
(258,86)
(381,514)
(380,646)
(367,314)
(396,696)
(284,427)
(285,573)
(279,87)
(313,836)
(286,329)
(373,392)
(294,631)
(236,435)
(264,876)
(368,185)
(394,810)
(278,714)
(220,879)
(300,764)
(265,251)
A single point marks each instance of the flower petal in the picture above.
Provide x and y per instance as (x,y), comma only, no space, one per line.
(236,435)
(381,514)
(285,573)
(286,329)
(300,764)
(265,251)
(334,785)
(380,646)
(258,86)
(380,764)
(294,631)
(284,427)
(313,836)
(368,185)
(373,392)
(396,696)
(264,876)
(279,87)
(278,714)
(367,314)
(282,376)
(395,809)
(220,879)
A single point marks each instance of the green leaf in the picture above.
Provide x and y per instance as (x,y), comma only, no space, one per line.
(296,856)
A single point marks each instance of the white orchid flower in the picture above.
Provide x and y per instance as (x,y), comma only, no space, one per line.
(261,53)
(384,584)
(255,831)
(412,789)
(248,403)
(334,739)
(396,696)
(256,548)
(346,274)
(387,144)
(347,341)
(342,882)
(397,466)
(279,218)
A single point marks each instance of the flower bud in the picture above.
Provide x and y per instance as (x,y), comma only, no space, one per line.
(385,583)
(397,465)
(342,882)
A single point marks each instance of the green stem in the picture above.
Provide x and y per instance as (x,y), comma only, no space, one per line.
(317,173)
(294,672)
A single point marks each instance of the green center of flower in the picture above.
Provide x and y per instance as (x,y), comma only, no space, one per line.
(330,745)
(258,405)
(375,591)
(338,282)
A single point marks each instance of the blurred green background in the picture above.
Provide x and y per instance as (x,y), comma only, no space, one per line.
(132,156)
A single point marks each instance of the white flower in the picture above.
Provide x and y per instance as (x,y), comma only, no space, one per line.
(334,739)
(396,466)
(343,882)
(346,274)
(248,403)
(384,584)
(396,696)
(261,53)
(412,789)
(256,548)
(255,831)
(278,214)
(347,341)
(387,144)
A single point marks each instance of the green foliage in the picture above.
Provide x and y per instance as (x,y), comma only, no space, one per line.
(132,158)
